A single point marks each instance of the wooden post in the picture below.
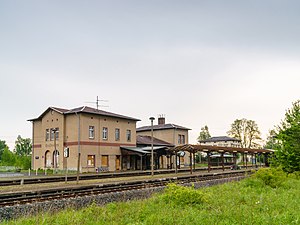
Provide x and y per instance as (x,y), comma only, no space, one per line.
(175,162)
(234,158)
(222,157)
(260,159)
(208,161)
(191,164)
(194,157)
(243,159)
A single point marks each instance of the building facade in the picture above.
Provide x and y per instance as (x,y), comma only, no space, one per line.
(91,135)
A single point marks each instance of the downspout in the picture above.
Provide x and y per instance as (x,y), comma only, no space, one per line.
(32,153)
(79,153)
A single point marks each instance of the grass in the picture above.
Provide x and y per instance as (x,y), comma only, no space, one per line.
(261,199)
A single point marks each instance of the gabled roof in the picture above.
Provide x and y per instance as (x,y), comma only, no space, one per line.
(162,127)
(219,138)
(84,109)
(59,110)
(146,140)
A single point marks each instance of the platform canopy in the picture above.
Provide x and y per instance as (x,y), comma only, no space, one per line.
(210,148)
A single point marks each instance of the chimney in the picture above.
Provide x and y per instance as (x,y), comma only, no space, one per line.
(161,119)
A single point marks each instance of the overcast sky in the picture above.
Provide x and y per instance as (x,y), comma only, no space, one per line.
(198,62)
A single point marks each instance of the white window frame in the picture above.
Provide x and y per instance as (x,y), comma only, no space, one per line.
(128,135)
(91,132)
(104,133)
(117,134)
(47,135)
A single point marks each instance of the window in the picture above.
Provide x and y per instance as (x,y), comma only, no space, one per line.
(117,134)
(181,139)
(47,134)
(57,133)
(104,160)
(91,132)
(128,135)
(104,133)
(91,160)
(52,134)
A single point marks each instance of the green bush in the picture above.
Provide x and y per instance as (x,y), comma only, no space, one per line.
(272,177)
(180,195)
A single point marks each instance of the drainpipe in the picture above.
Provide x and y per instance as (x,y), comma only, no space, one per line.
(79,153)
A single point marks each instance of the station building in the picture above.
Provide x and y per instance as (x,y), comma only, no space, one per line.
(102,141)
(97,135)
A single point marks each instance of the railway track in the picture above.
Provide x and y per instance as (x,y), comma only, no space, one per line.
(51,179)
(27,197)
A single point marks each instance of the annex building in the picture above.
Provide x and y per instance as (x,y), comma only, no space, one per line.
(170,133)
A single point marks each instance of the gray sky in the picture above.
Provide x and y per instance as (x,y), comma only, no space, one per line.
(198,62)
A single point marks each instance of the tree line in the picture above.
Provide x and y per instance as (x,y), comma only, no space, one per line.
(284,138)
(20,157)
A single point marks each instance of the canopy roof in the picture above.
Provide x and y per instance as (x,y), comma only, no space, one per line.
(141,150)
(209,148)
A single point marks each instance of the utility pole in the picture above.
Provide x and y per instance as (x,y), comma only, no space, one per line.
(79,153)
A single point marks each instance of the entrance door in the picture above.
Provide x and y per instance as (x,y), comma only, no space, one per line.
(118,162)
(47,159)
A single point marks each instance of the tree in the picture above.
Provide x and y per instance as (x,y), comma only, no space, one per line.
(247,131)
(3,145)
(288,136)
(8,158)
(272,142)
(204,134)
(23,146)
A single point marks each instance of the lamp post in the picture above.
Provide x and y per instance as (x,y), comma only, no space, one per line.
(55,151)
(152,156)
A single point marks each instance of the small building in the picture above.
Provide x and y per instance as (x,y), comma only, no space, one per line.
(171,133)
(91,134)
(222,141)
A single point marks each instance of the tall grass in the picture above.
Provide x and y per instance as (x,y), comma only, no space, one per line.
(269,197)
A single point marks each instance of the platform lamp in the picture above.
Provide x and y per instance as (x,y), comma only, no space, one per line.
(152,156)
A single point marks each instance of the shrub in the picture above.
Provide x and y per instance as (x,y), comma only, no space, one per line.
(180,195)
(270,176)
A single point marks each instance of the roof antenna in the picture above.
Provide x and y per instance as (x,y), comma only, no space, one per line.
(97,103)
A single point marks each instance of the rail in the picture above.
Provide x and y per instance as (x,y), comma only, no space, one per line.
(26,197)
